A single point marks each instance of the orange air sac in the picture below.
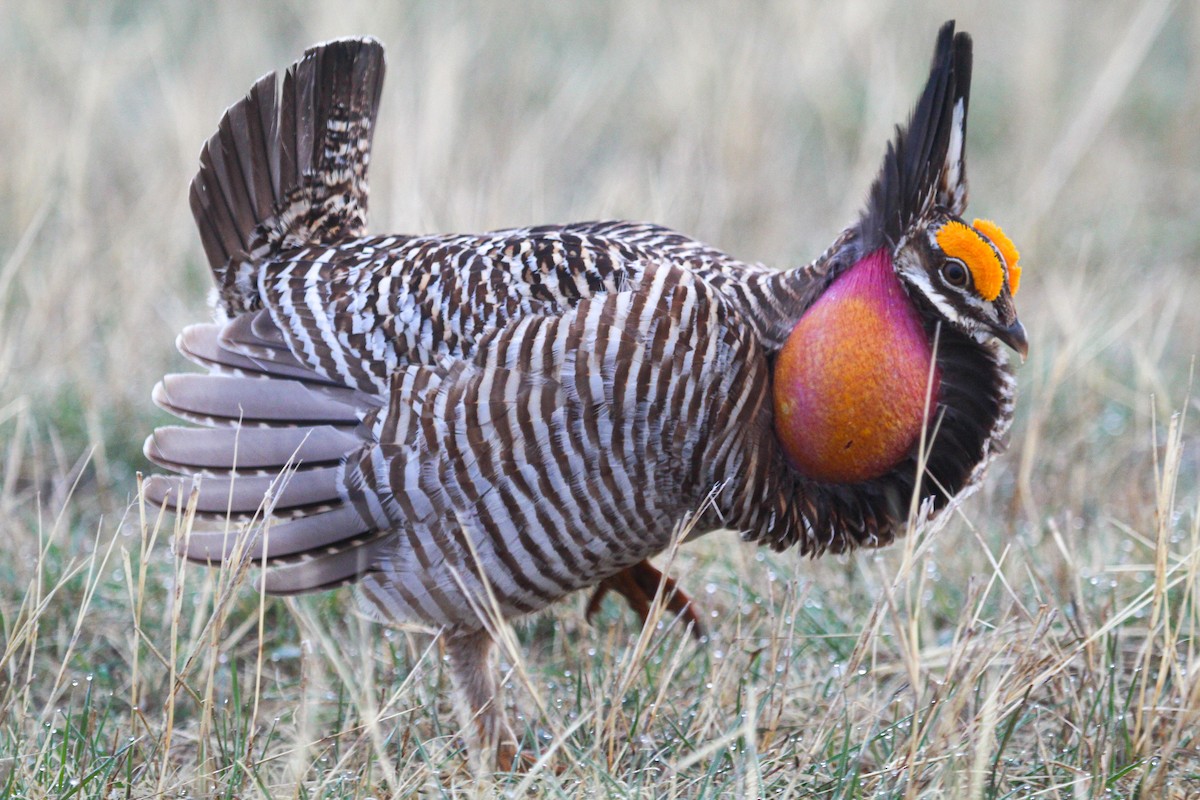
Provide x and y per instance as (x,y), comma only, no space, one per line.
(850,382)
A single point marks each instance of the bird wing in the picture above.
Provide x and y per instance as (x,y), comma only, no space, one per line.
(565,449)
(357,310)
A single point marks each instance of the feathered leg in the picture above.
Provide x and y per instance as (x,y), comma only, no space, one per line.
(478,700)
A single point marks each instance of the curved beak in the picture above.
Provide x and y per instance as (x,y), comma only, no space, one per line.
(1014,337)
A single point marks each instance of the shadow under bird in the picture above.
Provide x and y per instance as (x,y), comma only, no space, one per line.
(477,425)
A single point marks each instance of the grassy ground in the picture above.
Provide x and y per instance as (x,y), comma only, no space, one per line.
(1042,644)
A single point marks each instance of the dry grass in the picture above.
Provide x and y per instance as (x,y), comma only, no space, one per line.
(1043,644)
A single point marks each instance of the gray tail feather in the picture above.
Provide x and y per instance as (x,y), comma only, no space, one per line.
(289,168)
(269,456)
(235,350)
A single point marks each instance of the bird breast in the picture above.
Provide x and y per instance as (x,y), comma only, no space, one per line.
(852,381)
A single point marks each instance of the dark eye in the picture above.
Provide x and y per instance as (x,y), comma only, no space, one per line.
(954,273)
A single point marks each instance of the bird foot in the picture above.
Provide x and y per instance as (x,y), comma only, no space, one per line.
(638,585)
(510,758)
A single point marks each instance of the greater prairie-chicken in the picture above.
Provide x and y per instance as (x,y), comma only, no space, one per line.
(469,423)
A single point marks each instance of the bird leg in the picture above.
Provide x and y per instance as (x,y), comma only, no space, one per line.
(638,585)
(478,701)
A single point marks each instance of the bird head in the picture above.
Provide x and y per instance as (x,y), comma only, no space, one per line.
(966,274)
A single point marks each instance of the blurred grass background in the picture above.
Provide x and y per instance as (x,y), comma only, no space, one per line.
(757,128)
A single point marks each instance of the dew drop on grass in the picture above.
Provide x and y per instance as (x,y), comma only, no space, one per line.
(285,653)
(1112,422)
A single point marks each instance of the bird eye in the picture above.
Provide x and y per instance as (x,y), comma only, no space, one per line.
(955,273)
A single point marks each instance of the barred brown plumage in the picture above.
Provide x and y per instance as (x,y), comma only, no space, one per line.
(465,422)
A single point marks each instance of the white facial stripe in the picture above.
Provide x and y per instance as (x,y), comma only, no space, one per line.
(975,302)
(920,280)
(938,294)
